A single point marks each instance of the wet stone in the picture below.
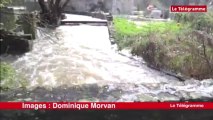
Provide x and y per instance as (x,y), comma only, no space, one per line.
(83,100)
(169,88)
(155,86)
(28,99)
(47,95)
(18,100)
(177,83)
(167,97)
(110,98)
(127,98)
(182,94)
(207,83)
(18,95)
(88,100)
(142,88)
(40,90)
(192,82)
(59,98)
(195,95)
(116,93)
(146,97)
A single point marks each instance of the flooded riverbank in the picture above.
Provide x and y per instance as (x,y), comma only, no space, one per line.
(75,63)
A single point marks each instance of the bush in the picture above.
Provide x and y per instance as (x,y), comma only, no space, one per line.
(9,78)
(172,46)
(198,21)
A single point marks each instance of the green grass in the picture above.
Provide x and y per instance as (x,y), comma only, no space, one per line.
(127,32)
(130,28)
(169,45)
(9,79)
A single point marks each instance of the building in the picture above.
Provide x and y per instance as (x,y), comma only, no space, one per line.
(121,6)
(113,6)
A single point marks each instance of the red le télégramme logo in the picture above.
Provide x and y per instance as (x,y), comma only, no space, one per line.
(188,8)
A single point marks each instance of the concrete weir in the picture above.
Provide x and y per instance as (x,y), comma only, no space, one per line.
(82,19)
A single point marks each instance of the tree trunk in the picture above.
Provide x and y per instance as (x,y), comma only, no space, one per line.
(43,6)
(52,10)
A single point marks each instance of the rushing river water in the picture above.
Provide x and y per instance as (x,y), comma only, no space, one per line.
(79,61)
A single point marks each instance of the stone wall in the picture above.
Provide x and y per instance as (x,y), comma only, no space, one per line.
(9,15)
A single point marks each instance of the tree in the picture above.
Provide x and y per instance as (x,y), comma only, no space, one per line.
(3,2)
(51,10)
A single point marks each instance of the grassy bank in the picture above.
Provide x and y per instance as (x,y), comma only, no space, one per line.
(9,79)
(183,46)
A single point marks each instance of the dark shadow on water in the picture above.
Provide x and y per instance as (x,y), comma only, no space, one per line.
(85,92)
(9,58)
(106,115)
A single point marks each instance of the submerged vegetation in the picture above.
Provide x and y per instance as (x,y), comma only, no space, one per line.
(9,79)
(183,46)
